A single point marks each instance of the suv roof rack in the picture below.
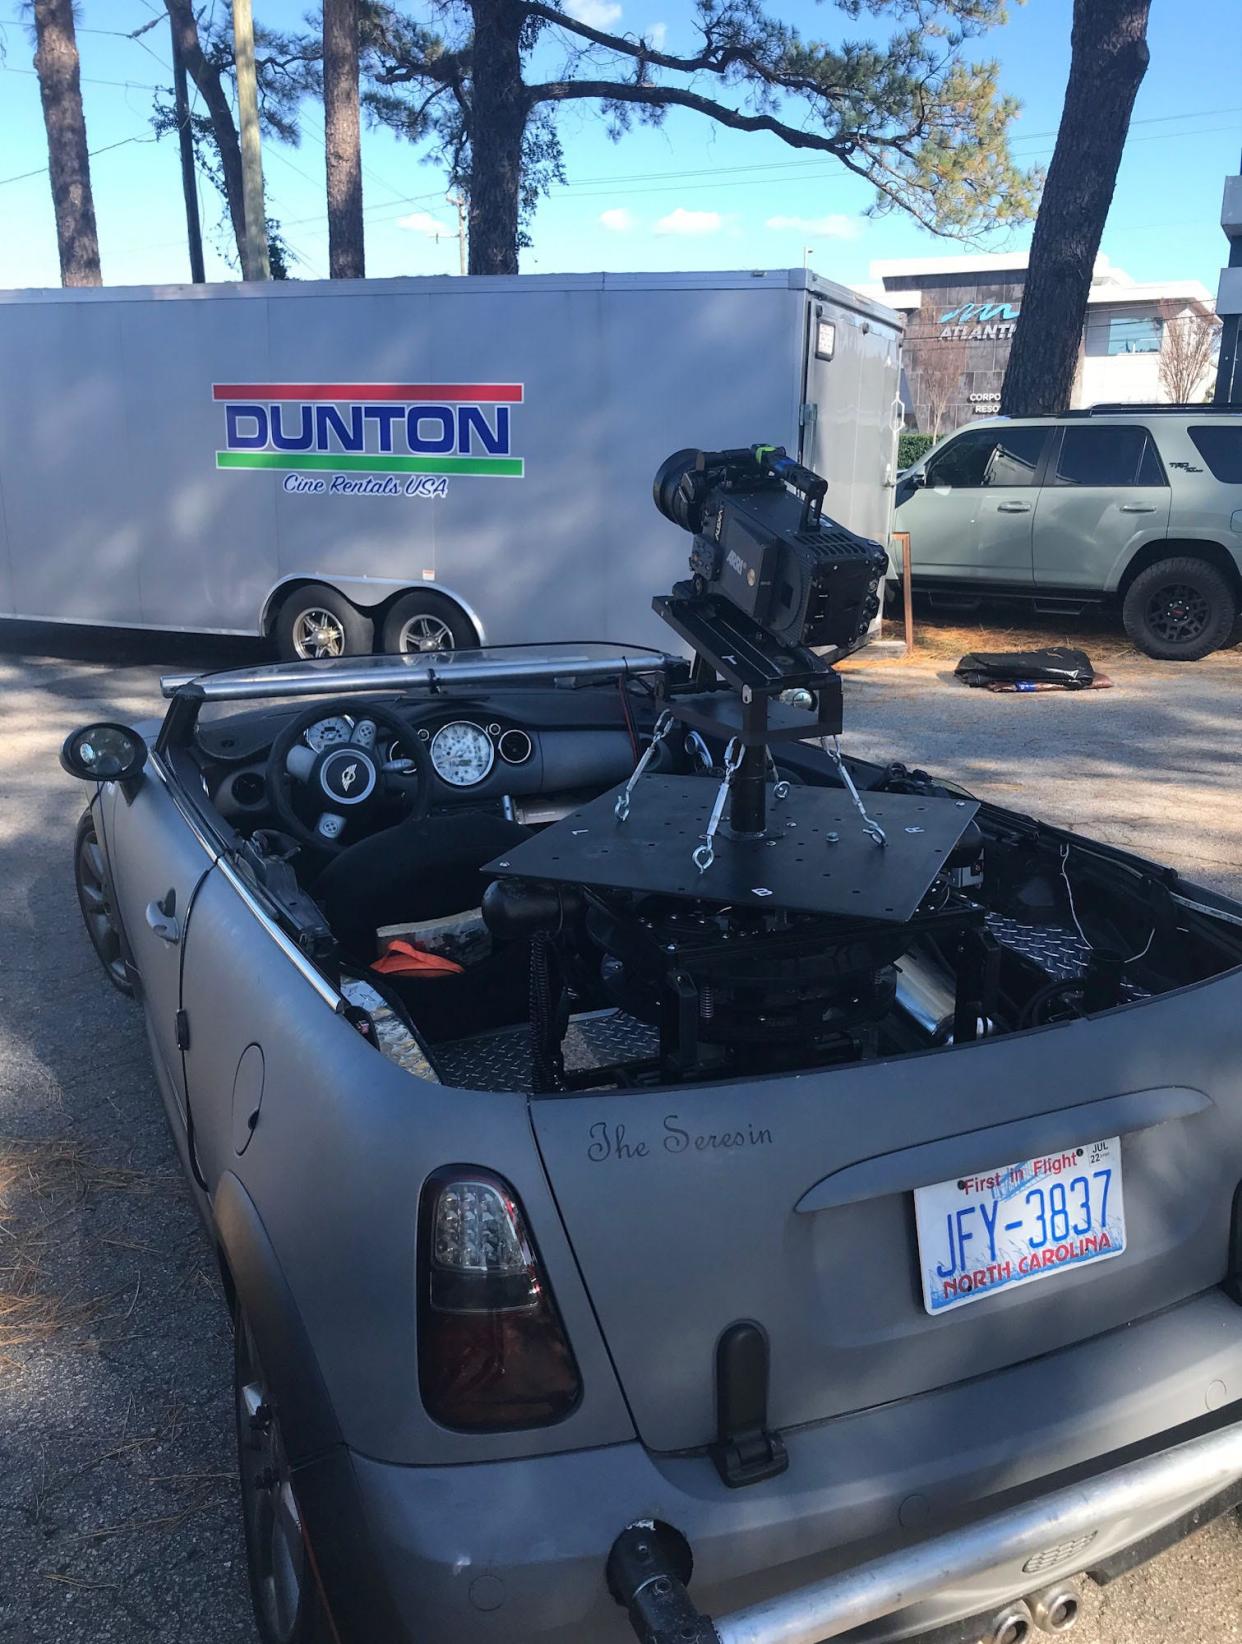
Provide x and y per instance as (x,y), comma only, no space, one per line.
(1154,408)
(1142,408)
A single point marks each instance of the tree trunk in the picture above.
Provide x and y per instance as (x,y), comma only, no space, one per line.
(342,139)
(69,166)
(499,109)
(219,109)
(1109,57)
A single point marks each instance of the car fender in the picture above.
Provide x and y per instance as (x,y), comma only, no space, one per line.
(1145,550)
(102,805)
(329,1500)
(262,1292)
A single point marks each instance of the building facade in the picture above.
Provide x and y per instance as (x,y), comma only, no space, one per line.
(962,313)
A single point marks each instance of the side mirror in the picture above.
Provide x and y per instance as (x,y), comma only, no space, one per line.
(918,479)
(104,753)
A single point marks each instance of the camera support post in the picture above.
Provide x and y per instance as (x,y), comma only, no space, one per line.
(772,577)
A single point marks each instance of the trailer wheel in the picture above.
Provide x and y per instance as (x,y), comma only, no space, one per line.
(426,621)
(317,621)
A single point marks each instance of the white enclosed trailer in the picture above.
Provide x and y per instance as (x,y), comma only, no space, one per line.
(402,463)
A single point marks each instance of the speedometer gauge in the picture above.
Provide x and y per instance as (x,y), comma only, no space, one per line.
(327,733)
(462,753)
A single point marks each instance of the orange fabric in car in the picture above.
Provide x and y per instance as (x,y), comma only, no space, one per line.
(402,959)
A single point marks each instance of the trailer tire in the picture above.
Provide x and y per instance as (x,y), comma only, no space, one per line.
(424,620)
(318,621)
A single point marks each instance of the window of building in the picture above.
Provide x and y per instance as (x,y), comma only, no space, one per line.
(1134,334)
(1108,456)
(1220,446)
(989,457)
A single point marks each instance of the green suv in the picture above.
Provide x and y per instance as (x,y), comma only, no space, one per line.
(1134,507)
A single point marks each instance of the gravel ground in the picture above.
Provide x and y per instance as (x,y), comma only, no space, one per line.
(118,1512)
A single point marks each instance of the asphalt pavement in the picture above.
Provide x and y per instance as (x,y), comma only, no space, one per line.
(118,1502)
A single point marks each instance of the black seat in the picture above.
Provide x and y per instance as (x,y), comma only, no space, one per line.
(427,869)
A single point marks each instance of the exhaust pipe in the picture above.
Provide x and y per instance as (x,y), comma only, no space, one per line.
(1055,1610)
(1012,1625)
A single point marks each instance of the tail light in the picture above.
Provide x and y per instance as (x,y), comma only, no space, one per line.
(492,1352)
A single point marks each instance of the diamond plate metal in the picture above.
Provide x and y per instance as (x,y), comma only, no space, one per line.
(501,1061)
(1054,948)
(392,1033)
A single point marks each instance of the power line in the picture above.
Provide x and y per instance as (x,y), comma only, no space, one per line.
(41,171)
(87,80)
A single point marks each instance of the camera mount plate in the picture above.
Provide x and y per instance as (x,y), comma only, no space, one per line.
(739,650)
(721,714)
(814,857)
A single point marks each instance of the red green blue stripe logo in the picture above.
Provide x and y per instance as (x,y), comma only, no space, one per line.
(446,428)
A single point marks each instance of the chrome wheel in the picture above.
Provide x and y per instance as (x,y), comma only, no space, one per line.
(318,633)
(95,900)
(425,633)
(278,1561)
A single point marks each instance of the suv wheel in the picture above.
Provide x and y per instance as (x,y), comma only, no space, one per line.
(1179,610)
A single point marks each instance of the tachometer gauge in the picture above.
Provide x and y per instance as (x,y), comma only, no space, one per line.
(327,733)
(461,753)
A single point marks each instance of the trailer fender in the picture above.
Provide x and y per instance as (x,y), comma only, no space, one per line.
(367,593)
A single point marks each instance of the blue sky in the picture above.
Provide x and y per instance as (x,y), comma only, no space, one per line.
(685,195)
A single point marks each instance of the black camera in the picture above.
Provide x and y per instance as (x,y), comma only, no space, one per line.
(762,541)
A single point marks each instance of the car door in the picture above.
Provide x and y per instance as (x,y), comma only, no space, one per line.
(1105,496)
(970,519)
(159,855)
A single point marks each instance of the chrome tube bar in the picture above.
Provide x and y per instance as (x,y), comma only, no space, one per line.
(420,670)
(1173,1479)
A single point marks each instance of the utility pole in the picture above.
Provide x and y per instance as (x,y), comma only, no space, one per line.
(1229,300)
(189,186)
(254,253)
(459,200)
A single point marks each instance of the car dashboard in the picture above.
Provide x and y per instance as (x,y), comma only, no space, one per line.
(482,753)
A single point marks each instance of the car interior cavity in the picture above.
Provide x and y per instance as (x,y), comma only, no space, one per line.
(535,871)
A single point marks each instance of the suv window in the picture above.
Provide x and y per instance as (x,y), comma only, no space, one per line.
(1108,456)
(989,457)
(1220,446)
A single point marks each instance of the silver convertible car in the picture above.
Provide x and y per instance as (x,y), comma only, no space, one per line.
(631,1230)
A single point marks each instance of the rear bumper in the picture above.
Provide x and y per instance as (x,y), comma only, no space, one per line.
(516,1550)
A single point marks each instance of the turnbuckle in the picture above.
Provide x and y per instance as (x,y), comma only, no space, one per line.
(662,727)
(872,829)
(705,854)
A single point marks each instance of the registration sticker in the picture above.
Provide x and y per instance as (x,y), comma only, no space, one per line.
(987,1232)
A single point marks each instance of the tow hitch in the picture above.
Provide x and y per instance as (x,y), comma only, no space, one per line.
(647,1572)
(650,1565)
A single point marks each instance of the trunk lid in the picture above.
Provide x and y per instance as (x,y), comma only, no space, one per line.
(789,1201)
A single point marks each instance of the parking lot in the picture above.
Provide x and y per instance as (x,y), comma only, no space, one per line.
(118,1517)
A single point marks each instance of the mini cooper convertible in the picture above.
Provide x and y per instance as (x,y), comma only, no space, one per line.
(634,1231)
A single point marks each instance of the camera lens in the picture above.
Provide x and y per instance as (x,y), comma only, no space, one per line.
(672,501)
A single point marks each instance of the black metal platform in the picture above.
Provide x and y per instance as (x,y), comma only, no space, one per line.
(797,865)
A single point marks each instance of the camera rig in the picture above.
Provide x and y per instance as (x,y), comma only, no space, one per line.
(760,926)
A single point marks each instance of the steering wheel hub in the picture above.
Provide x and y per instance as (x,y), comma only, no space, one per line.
(346,776)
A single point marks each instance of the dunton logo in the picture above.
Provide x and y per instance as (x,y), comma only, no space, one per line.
(374,438)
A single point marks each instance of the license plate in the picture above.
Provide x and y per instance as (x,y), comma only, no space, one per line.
(989,1232)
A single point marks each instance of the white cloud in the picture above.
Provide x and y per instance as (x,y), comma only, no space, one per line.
(618,219)
(656,34)
(596,14)
(682,221)
(834,227)
(422,222)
